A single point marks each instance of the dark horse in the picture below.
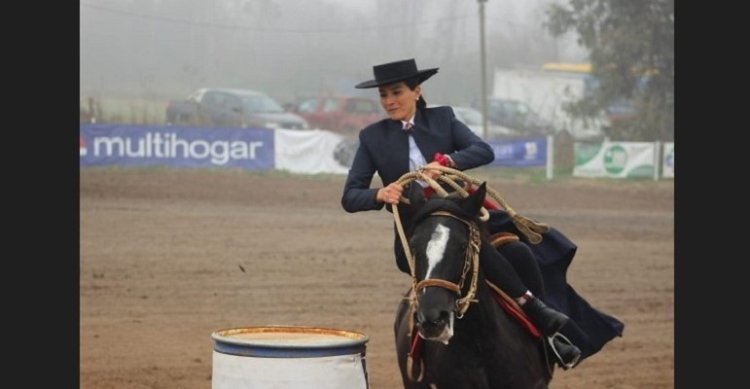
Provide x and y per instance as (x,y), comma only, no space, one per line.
(466,340)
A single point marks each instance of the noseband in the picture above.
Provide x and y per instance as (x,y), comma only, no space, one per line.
(471,262)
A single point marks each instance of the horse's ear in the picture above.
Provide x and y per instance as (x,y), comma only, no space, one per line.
(474,202)
(416,196)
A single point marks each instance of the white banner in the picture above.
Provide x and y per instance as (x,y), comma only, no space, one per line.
(313,151)
(667,160)
(614,159)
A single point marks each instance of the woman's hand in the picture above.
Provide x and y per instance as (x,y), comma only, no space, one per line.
(432,173)
(391,194)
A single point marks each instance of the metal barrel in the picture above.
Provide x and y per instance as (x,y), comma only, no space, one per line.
(281,357)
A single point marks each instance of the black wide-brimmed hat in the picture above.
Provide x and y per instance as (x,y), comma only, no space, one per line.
(391,72)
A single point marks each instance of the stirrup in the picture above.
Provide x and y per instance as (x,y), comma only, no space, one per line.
(563,339)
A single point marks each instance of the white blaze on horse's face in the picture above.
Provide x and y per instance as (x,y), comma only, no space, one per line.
(436,247)
(435,253)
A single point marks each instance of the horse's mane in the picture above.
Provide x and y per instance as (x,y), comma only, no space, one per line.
(448,204)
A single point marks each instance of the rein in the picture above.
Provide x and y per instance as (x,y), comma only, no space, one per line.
(528,227)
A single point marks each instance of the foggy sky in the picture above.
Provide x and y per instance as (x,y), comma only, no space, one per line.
(294,48)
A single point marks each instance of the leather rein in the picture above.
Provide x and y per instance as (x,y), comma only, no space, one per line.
(527,226)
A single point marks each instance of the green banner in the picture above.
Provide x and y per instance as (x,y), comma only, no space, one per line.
(614,159)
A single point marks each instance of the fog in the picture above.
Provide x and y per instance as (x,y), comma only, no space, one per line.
(159,49)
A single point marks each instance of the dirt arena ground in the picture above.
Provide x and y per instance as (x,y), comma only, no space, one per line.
(163,253)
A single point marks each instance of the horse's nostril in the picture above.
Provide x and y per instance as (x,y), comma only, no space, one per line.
(437,319)
(430,325)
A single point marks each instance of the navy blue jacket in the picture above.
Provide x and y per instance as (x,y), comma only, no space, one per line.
(384,149)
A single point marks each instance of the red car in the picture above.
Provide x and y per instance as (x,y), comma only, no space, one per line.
(343,114)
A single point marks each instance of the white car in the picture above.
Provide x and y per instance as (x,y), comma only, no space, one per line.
(473,119)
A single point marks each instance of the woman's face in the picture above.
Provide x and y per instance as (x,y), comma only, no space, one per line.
(398,101)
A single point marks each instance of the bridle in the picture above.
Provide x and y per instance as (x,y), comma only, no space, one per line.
(471,263)
(530,228)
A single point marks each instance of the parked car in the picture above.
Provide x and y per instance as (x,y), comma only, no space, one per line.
(473,119)
(220,107)
(344,114)
(518,116)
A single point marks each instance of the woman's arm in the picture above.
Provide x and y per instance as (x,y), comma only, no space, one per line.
(358,196)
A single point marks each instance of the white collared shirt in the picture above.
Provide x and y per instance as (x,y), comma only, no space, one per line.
(416,159)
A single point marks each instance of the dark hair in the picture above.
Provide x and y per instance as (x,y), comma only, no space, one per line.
(413,83)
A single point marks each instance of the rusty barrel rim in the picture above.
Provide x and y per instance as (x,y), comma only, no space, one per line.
(279,342)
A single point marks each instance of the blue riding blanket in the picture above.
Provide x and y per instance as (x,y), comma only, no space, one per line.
(588,328)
